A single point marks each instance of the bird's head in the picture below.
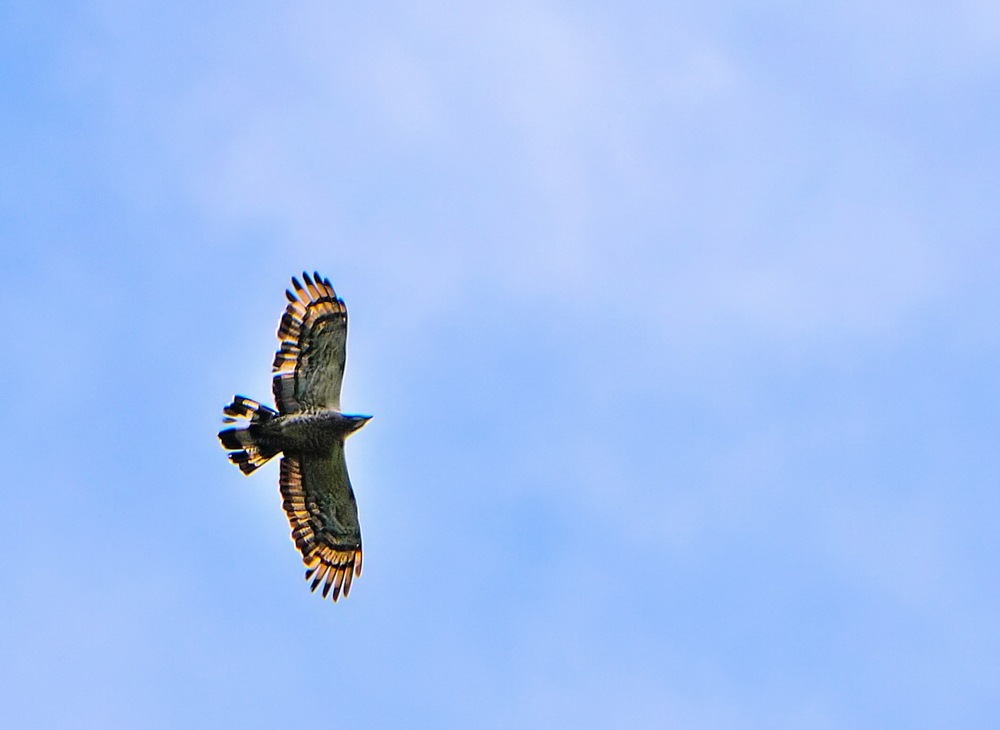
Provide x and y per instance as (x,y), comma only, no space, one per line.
(355,423)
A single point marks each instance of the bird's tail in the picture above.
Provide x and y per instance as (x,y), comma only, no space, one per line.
(245,449)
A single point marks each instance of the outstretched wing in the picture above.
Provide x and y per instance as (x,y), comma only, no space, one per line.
(309,364)
(321,510)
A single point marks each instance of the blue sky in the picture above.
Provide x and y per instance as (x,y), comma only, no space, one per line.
(678,322)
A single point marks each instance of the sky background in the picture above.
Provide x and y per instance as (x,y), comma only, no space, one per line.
(678,322)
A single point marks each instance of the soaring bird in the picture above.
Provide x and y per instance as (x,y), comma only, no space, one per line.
(309,431)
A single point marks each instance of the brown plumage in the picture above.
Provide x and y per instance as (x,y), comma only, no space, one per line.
(309,431)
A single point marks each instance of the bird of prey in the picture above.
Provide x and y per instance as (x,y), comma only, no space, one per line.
(309,431)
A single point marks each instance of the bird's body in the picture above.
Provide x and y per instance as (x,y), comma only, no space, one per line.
(309,430)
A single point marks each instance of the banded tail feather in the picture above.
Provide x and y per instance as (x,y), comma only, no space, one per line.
(242,441)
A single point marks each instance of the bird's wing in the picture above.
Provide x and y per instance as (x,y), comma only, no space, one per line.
(309,364)
(319,502)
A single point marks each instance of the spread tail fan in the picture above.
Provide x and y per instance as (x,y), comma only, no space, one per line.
(245,450)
